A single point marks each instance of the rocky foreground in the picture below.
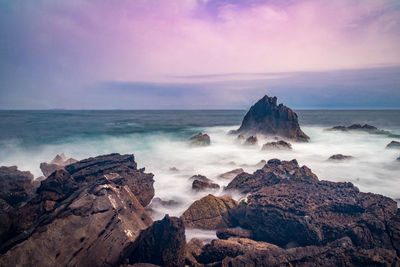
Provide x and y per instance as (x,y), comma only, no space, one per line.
(92,213)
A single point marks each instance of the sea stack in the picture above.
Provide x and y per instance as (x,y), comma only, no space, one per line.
(267,118)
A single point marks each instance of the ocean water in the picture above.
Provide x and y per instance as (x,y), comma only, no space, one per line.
(159,141)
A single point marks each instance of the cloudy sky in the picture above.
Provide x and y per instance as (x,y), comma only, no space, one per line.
(198,54)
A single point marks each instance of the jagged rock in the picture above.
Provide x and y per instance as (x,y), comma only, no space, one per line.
(251,140)
(317,213)
(58,163)
(200,139)
(340,157)
(231,174)
(193,250)
(226,233)
(16,187)
(200,185)
(163,244)
(363,128)
(209,212)
(274,172)
(267,118)
(393,144)
(280,145)
(200,178)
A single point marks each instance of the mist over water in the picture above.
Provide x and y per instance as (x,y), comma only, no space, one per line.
(159,141)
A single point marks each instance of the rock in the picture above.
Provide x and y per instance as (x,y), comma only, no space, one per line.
(193,250)
(363,128)
(250,141)
(280,145)
(318,213)
(16,187)
(142,265)
(58,163)
(209,213)
(227,233)
(162,244)
(274,172)
(200,185)
(340,157)
(393,144)
(200,178)
(398,159)
(267,118)
(165,203)
(200,140)
(77,220)
(231,174)
(241,137)
(121,169)
(174,169)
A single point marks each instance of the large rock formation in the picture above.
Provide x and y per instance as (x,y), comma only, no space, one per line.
(85,216)
(267,118)
(209,212)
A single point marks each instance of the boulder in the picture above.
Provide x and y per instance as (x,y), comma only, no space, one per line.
(274,172)
(339,157)
(267,118)
(200,178)
(302,214)
(280,145)
(209,213)
(166,203)
(393,144)
(231,174)
(251,140)
(58,163)
(162,244)
(193,250)
(363,128)
(227,233)
(200,139)
(198,185)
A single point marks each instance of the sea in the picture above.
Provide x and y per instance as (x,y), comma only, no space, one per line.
(159,141)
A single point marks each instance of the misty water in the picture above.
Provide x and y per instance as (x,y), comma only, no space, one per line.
(159,141)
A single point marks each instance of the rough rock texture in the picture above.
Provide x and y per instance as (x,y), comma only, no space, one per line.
(226,233)
(267,118)
(200,178)
(200,139)
(163,244)
(231,174)
(301,214)
(79,220)
(251,141)
(193,249)
(363,128)
(340,157)
(393,144)
(274,172)
(209,212)
(280,145)
(16,187)
(198,185)
(58,163)
(165,203)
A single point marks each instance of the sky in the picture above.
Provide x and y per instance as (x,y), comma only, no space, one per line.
(199,54)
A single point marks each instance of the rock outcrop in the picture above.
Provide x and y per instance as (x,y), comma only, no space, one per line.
(340,157)
(393,144)
(162,244)
(279,145)
(267,118)
(200,139)
(193,250)
(251,141)
(364,128)
(198,185)
(274,172)
(209,212)
(227,233)
(58,163)
(231,174)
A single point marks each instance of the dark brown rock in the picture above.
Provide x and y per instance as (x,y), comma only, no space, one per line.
(231,174)
(193,249)
(393,144)
(267,118)
(274,172)
(200,139)
(200,185)
(226,233)
(209,212)
(340,157)
(163,244)
(280,145)
(251,140)
(58,163)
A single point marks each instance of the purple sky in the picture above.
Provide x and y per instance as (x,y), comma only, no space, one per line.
(199,54)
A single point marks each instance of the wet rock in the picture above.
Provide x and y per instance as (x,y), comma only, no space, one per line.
(267,118)
(274,172)
(162,244)
(200,178)
(393,144)
(58,163)
(231,174)
(318,213)
(16,187)
(251,140)
(165,203)
(209,213)
(227,233)
(200,185)
(200,139)
(363,128)
(280,145)
(193,249)
(340,157)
